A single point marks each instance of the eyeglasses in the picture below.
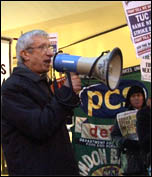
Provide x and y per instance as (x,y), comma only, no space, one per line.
(42,47)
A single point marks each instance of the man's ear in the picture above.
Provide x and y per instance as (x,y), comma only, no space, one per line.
(24,54)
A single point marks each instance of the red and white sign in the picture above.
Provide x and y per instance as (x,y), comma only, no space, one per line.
(138,14)
(99,132)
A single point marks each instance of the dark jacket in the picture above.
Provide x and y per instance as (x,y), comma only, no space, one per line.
(131,157)
(35,139)
(144,131)
(132,160)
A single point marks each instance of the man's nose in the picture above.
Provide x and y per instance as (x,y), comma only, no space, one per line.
(50,52)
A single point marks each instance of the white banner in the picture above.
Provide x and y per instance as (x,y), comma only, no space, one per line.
(145,67)
(5,59)
(53,37)
(138,14)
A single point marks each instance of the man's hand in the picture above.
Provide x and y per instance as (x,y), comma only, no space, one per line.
(76,82)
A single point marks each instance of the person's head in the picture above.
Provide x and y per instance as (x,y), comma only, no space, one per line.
(135,98)
(33,50)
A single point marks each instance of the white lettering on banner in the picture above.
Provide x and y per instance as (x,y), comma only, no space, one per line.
(83,169)
(138,25)
(88,161)
(93,142)
(114,157)
(96,161)
(142,31)
(142,17)
(96,158)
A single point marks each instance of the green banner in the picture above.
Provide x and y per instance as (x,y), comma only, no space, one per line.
(94,151)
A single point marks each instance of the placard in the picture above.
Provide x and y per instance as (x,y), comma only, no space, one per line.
(5,58)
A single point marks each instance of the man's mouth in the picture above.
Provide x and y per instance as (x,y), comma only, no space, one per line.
(47,61)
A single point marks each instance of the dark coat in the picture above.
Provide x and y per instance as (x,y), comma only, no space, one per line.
(131,157)
(35,139)
(132,160)
(144,131)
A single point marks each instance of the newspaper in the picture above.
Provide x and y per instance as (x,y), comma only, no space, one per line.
(127,124)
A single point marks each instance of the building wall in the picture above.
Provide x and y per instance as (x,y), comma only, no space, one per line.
(77,27)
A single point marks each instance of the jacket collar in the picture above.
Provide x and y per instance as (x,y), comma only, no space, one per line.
(23,70)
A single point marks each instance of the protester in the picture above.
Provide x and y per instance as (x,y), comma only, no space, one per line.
(144,131)
(35,139)
(131,159)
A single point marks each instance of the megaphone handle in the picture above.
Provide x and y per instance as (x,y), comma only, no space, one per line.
(69,80)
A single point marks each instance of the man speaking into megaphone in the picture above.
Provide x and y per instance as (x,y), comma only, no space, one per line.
(35,140)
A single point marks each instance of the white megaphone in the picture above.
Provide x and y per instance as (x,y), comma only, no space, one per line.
(106,68)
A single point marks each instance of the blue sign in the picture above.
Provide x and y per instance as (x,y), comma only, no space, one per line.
(98,101)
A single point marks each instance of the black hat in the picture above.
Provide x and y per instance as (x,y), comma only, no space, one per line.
(132,90)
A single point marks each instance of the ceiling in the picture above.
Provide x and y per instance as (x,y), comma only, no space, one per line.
(16,14)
